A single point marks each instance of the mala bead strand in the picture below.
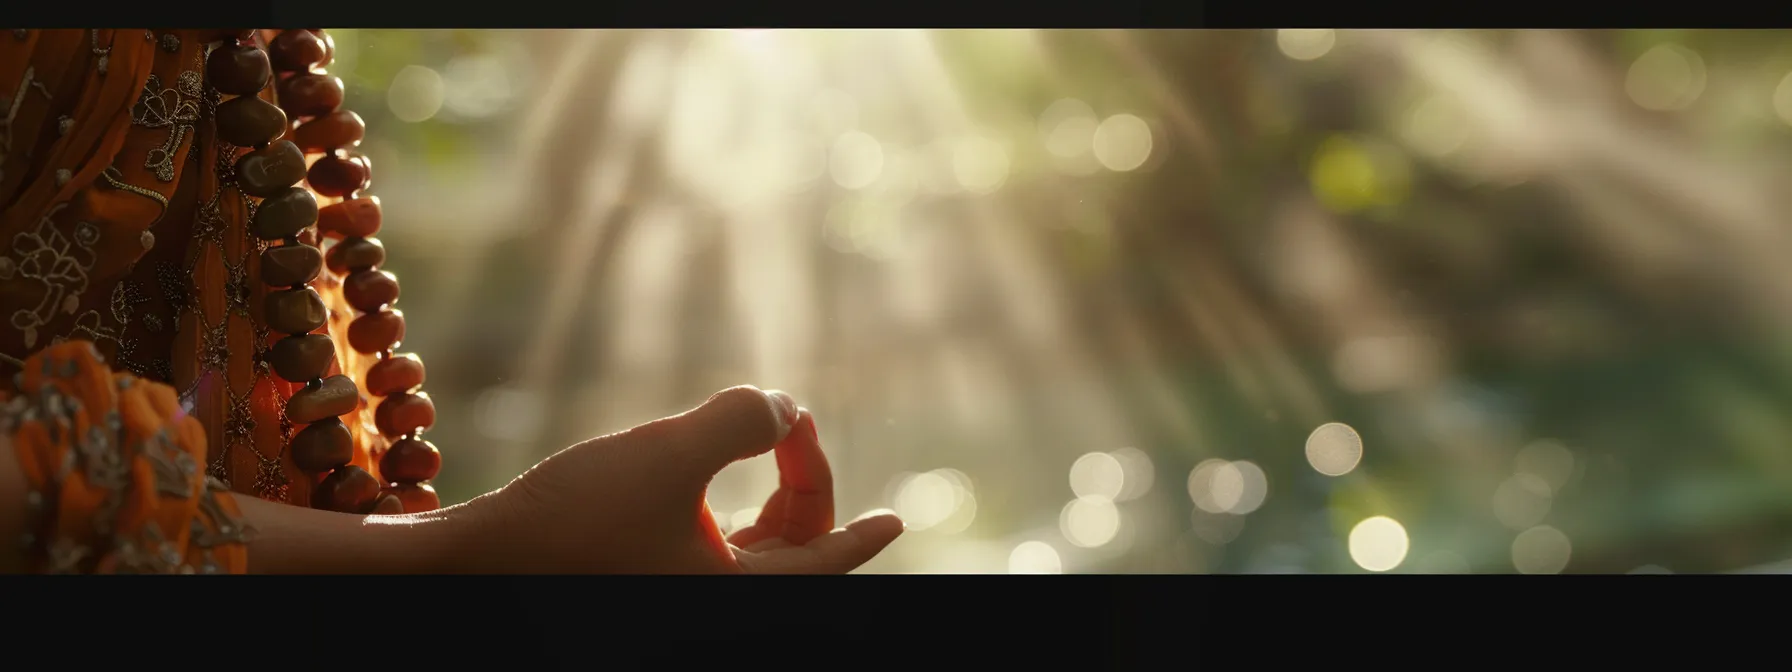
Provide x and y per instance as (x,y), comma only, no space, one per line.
(409,462)
(324,447)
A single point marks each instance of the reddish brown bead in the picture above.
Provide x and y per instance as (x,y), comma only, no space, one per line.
(285,215)
(368,291)
(356,254)
(341,129)
(348,489)
(271,170)
(402,414)
(310,95)
(295,311)
(322,446)
(388,505)
(376,332)
(417,497)
(302,358)
(338,176)
(289,265)
(238,69)
(331,397)
(248,121)
(395,374)
(354,218)
(296,50)
(410,461)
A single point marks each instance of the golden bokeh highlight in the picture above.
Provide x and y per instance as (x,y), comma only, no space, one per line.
(1222,486)
(1035,557)
(1666,77)
(1334,449)
(1098,475)
(1122,142)
(1522,501)
(1139,473)
(856,160)
(980,164)
(941,500)
(1306,44)
(1378,544)
(415,94)
(1541,550)
(1089,522)
(1548,460)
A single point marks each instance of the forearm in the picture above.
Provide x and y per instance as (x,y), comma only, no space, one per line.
(288,539)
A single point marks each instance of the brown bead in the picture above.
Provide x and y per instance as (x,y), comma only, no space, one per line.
(296,50)
(273,169)
(302,358)
(356,254)
(289,265)
(348,489)
(332,397)
(295,311)
(368,291)
(417,497)
(310,95)
(395,374)
(248,121)
(410,461)
(388,505)
(376,332)
(341,129)
(403,414)
(238,69)
(338,176)
(285,215)
(358,217)
(322,446)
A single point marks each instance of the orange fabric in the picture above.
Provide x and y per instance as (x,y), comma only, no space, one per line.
(113,467)
(122,226)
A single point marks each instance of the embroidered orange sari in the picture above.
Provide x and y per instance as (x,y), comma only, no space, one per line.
(122,227)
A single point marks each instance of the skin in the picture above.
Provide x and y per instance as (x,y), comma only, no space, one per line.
(630,502)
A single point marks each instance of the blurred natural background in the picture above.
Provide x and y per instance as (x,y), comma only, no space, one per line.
(1129,301)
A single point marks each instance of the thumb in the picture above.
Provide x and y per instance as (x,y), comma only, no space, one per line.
(734,424)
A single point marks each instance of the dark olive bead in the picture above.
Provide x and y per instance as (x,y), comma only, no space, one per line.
(353,218)
(322,446)
(332,397)
(376,332)
(310,95)
(285,215)
(410,461)
(369,291)
(348,489)
(388,505)
(356,254)
(271,170)
(238,69)
(295,311)
(393,375)
(338,176)
(292,264)
(296,50)
(342,129)
(248,121)
(302,358)
(417,497)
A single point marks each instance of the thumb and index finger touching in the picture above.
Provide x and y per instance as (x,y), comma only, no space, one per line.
(743,422)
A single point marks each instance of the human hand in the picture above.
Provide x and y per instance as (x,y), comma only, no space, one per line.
(633,502)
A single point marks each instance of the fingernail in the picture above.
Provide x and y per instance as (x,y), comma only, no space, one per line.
(783,410)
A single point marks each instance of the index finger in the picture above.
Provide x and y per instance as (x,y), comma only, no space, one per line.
(807,481)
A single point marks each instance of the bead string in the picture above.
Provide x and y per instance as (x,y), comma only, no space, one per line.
(307,95)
